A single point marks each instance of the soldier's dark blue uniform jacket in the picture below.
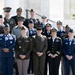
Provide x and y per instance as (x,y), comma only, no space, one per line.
(69,49)
(7,41)
(47,34)
(55,47)
(32,32)
(43,27)
(60,33)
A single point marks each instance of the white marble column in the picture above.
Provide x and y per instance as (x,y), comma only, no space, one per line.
(45,7)
(67,9)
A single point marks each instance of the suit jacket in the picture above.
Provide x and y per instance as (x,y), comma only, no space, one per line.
(23,46)
(55,47)
(39,44)
(69,49)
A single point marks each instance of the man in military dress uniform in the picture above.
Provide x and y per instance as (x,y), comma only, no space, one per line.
(32,17)
(69,52)
(32,32)
(60,31)
(7,43)
(17,29)
(43,23)
(47,33)
(67,28)
(17,32)
(7,18)
(23,49)
(39,48)
(60,34)
(19,14)
(54,51)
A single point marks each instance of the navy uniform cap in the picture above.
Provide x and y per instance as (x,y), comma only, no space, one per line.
(48,25)
(54,30)
(31,21)
(38,27)
(7,9)
(20,19)
(71,31)
(6,26)
(59,23)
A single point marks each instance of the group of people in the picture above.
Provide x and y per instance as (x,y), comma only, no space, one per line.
(30,46)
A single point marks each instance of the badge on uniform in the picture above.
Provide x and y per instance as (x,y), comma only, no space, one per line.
(19,46)
(6,38)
